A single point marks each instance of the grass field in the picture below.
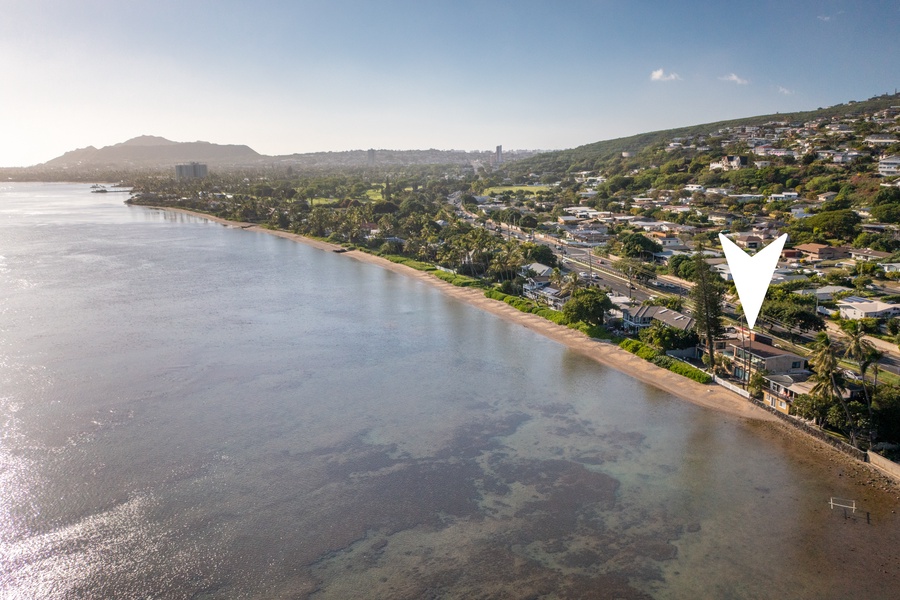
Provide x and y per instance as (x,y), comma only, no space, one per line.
(515,188)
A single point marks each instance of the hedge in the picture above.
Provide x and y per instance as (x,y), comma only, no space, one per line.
(647,353)
(554,316)
(457,280)
(631,345)
(690,372)
(676,366)
(663,361)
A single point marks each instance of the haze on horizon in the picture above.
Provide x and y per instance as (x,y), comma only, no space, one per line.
(285,77)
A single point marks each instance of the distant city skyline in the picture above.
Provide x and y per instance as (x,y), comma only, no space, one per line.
(286,77)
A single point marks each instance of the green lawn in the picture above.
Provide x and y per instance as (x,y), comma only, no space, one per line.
(515,188)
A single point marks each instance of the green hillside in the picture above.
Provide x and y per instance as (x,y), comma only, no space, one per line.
(593,156)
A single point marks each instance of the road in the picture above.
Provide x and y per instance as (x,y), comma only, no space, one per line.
(600,272)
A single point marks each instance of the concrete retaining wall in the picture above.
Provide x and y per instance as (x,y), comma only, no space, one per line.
(888,466)
(836,443)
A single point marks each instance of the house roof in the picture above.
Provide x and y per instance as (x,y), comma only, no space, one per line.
(869,252)
(762,350)
(670,317)
(538,268)
(811,247)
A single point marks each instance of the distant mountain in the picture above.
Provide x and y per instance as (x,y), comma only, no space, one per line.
(149,151)
(157,153)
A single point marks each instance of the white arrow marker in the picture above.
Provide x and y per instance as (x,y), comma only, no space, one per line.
(752,274)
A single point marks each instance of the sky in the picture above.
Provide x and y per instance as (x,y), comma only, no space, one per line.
(306,76)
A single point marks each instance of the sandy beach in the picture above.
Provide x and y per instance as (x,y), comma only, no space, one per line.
(709,396)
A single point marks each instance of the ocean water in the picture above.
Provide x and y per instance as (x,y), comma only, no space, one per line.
(195,411)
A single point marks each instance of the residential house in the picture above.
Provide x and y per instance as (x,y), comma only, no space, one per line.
(784,196)
(545,294)
(867,254)
(756,354)
(780,391)
(723,270)
(585,235)
(568,220)
(822,251)
(744,198)
(826,196)
(635,318)
(748,241)
(889,165)
(881,140)
(729,163)
(890,267)
(718,191)
(801,211)
(785,275)
(723,218)
(539,269)
(854,307)
(664,239)
(824,293)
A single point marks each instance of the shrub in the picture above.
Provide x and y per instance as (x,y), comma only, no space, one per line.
(631,345)
(690,372)
(647,353)
(595,331)
(453,278)
(663,361)
(552,315)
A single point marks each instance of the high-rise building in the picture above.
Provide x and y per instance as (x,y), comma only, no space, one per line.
(498,155)
(191,171)
(370,159)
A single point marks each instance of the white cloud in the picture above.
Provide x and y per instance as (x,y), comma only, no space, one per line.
(735,79)
(825,18)
(660,75)
(785,91)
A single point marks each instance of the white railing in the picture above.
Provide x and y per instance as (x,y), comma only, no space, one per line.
(730,386)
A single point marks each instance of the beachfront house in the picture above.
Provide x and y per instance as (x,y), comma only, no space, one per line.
(780,391)
(639,317)
(756,354)
(537,269)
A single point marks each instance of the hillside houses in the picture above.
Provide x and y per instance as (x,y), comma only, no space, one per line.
(889,166)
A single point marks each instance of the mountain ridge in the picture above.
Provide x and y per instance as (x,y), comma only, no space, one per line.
(148,151)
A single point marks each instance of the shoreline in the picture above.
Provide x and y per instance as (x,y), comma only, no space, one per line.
(709,396)
(606,353)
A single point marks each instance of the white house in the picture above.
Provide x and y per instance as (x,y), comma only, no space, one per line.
(854,307)
(889,165)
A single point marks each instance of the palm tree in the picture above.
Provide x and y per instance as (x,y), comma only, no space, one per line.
(556,278)
(508,260)
(863,353)
(571,284)
(828,379)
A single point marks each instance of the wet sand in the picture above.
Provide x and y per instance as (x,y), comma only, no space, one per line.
(709,396)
